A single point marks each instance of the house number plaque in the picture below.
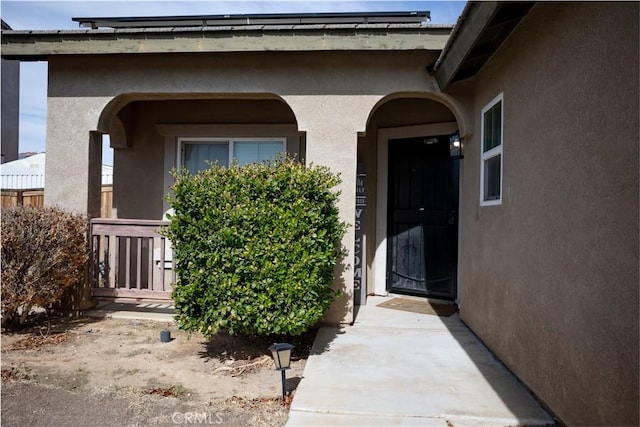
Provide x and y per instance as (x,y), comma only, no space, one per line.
(359,265)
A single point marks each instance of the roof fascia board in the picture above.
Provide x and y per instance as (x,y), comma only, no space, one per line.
(254,19)
(470,30)
(35,46)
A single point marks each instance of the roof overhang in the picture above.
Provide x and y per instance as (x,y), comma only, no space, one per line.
(256,19)
(39,45)
(482,27)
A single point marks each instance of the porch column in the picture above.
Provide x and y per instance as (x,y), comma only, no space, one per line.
(332,123)
(74,155)
(73,171)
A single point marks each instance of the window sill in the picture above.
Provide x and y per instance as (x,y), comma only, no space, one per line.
(491,202)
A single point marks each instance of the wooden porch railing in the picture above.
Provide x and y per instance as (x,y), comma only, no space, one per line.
(131,259)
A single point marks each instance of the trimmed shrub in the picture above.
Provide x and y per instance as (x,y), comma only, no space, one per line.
(44,252)
(255,247)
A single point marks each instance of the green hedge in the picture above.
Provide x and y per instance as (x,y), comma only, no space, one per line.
(255,247)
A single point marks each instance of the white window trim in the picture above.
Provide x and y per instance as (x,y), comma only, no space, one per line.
(495,151)
(173,131)
(230,140)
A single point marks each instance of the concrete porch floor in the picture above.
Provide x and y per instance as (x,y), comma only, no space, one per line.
(161,311)
(406,369)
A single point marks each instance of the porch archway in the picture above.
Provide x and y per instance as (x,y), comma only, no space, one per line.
(397,117)
(145,130)
(151,135)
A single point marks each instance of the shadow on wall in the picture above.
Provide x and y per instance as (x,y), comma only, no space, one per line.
(340,310)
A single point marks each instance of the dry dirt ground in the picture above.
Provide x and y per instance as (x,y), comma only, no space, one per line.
(108,372)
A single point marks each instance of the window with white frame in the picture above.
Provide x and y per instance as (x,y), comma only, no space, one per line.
(196,153)
(491,166)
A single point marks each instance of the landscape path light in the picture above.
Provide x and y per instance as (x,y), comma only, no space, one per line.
(281,353)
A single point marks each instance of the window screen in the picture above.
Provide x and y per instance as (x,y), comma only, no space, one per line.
(256,151)
(197,154)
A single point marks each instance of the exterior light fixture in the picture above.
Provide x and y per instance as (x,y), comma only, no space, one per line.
(281,353)
(455,146)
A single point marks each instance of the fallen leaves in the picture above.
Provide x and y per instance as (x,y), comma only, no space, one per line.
(13,374)
(165,391)
(36,341)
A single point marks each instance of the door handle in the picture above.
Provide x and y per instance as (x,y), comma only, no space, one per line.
(452,217)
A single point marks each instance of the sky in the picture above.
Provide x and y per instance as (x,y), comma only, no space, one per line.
(56,15)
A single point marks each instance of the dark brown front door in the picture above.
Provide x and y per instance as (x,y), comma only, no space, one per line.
(422,218)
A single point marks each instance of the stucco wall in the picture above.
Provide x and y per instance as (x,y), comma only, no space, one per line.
(550,277)
(331,95)
(10,109)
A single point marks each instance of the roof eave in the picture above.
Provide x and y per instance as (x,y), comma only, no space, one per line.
(253,19)
(476,21)
(38,45)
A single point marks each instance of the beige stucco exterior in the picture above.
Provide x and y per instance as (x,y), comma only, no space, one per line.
(549,278)
(326,98)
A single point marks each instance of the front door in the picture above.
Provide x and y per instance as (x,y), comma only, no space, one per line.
(422,233)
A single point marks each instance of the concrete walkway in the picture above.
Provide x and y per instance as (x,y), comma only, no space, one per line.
(405,369)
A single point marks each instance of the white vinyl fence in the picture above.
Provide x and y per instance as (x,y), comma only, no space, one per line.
(22,182)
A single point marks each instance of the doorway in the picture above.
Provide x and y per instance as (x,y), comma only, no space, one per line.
(422,217)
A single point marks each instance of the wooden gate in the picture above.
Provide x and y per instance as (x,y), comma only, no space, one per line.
(131,259)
